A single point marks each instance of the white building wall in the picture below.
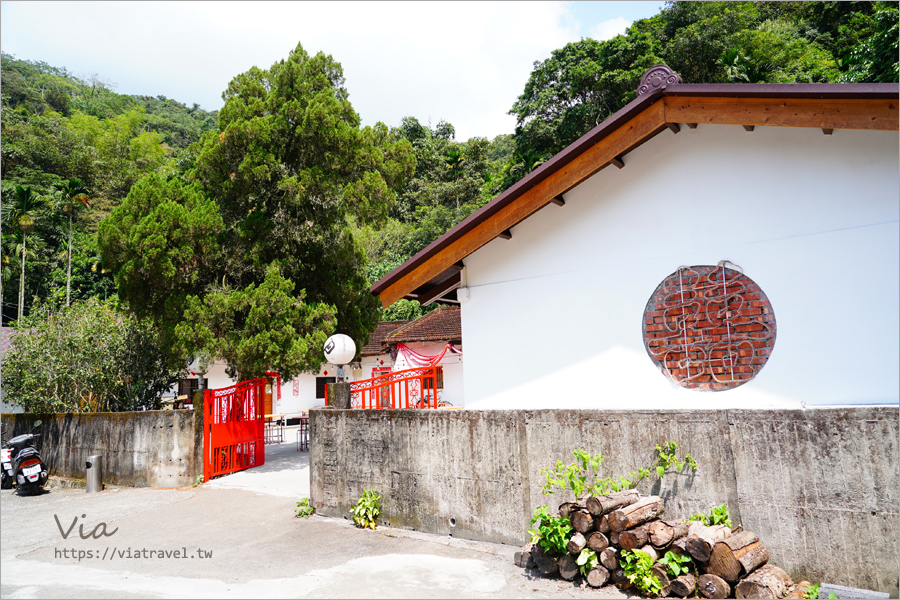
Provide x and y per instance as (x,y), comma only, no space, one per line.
(555,315)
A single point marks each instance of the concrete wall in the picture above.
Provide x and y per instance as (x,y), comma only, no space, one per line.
(812,219)
(819,486)
(141,449)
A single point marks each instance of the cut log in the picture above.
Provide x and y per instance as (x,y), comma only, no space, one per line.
(600,505)
(702,539)
(523,558)
(601,524)
(766,582)
(650,551)
(800,590)
(663,533)
(576,543)
(618,577)
(567,567)
(614,538)
(683,585)
(634,538)
(566,508)
(597,577)
(712,586)
(645,509)
(547,563)
(597,542)
(736,555)
(608,559)
(582,520)
(663,575)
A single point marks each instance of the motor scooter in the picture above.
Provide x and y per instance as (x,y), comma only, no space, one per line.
(21,464)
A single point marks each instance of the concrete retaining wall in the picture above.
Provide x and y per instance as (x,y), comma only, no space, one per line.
(820,487)
(141,449)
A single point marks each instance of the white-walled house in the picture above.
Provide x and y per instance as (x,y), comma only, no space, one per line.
(428,336)
(597,281)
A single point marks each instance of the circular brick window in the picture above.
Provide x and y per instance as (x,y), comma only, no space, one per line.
(709,327)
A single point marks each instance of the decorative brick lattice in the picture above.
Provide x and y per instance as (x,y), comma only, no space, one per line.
(709,327)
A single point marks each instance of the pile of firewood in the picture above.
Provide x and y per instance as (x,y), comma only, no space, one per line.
(729,561)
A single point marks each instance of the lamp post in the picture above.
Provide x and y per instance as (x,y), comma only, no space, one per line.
(339,350)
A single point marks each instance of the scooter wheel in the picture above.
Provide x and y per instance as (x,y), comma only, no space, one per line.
(6,483)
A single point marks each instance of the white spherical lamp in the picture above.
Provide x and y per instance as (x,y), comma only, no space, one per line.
(339,349)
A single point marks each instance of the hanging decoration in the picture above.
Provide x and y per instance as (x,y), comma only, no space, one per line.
(415,359)
(277,387)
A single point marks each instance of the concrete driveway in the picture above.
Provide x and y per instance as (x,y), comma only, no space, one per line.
(238,537)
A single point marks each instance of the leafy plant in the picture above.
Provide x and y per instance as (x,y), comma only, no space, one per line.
(582,477)
(637,566)
(718,516)
(812,591)
(586,561)
(676,564)
(304,510)
(551,532)
(199,480)
(367,509)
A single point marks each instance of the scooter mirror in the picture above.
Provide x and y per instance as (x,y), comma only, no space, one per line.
(38,423)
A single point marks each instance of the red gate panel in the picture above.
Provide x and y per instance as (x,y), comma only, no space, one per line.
(233,428)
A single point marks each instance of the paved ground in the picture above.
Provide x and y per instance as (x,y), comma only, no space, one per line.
(238,537)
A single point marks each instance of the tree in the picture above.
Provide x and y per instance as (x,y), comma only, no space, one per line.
(73,196)
(285,171)
(21,214)
(87,357)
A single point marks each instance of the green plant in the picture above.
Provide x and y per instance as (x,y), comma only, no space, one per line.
(582,477)
(199,480)
(551,532)
(586,561)
(718,516)
(367,509)
(676,564)
(304,510)
(637,566)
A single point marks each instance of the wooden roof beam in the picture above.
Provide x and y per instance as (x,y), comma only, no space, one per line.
(435,292)
(559,201)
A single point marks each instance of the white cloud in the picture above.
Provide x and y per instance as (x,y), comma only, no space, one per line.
(606,30)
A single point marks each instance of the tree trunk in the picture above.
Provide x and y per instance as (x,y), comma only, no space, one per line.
(601,524)
(683,586)
(69,270)
(650,551)
(766,582)
(645,509)
(634,538)
(663,533)
(614,538)
(547,563)
(582,520)
(566,508)
(567,567)
(22,283)
(523,558)
(608,559)
(597,577)
(736,555)
(701,540)
(800,590)
(600,505)
(576,543)
(713,586)
(618,577)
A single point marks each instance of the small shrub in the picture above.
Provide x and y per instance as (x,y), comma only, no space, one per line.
(676,564)
(718,516)
(367,509)
(637,566)
(551,532)
(304,510)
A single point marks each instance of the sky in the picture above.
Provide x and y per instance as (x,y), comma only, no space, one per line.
(461,62)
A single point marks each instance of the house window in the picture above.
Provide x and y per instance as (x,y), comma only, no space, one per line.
(709,327)
(430,383)
(321,382)
(187,387)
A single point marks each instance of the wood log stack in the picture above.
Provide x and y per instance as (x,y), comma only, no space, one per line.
(730,563)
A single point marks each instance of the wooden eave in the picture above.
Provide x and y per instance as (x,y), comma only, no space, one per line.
(824,106)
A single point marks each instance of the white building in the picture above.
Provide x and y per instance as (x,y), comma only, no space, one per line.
(795,186)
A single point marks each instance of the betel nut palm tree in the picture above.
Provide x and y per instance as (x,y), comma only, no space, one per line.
(20,214)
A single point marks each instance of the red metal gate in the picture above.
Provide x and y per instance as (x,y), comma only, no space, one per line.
(412,388)
(233,428)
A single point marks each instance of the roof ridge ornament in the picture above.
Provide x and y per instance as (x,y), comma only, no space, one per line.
(656,78)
